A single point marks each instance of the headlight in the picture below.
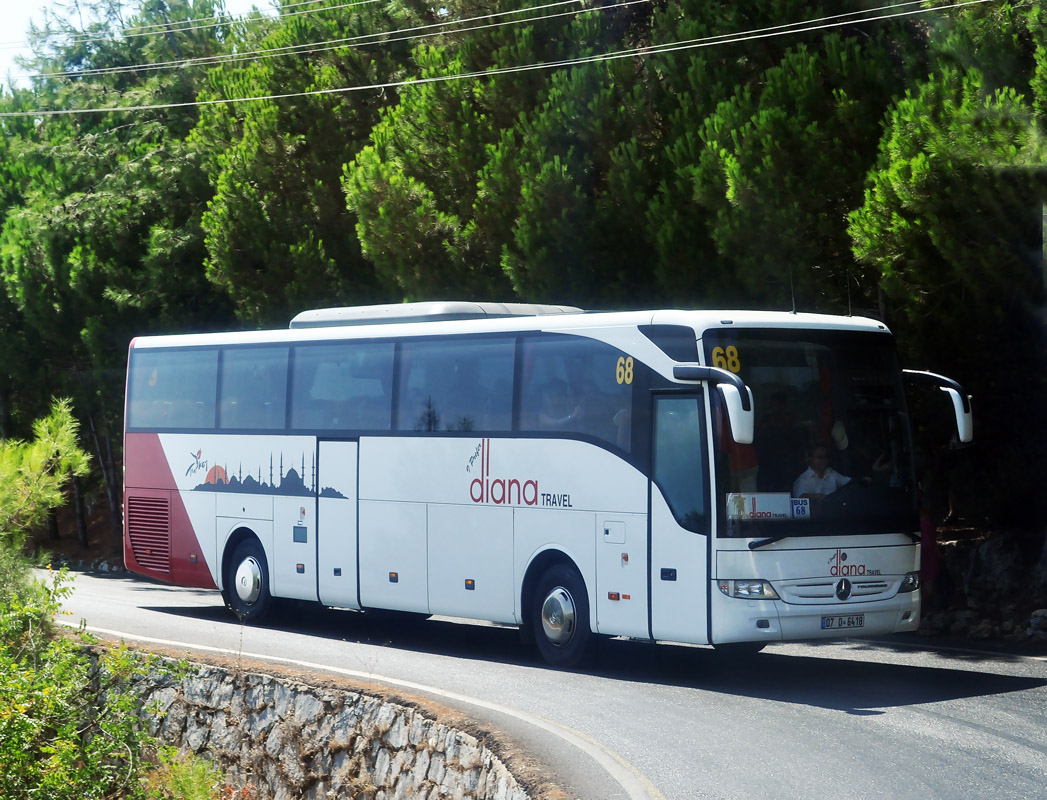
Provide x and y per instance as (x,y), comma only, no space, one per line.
(750,590)
(910,583)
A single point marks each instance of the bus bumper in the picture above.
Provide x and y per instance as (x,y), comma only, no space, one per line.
(737,620)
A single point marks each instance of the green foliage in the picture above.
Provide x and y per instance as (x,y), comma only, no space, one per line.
(67,728)
(952,221)
(33,474)
(806,125)
(70,722)
(277,230)
(183,776)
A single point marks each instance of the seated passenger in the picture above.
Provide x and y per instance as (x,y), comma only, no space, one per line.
(819,480)
(559,410)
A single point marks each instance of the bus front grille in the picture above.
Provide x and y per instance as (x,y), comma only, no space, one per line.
(149,531)
(823,590)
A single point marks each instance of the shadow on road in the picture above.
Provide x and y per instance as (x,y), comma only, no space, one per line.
(841,680)
(844,682)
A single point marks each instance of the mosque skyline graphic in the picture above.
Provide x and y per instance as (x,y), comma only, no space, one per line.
(290,484)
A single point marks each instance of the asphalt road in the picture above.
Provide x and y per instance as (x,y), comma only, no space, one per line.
(891,718)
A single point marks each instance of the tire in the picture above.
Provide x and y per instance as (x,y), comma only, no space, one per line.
(560,617)
(247,583)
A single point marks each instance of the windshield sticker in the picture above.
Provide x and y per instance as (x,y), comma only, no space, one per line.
(767,505)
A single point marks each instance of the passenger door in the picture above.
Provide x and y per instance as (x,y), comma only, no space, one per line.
(337,541)
(679,519)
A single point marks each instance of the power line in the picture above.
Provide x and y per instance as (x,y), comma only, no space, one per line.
(351,42)
(669,47)
(325,45)
(226,17)
(179,26)
(283,7)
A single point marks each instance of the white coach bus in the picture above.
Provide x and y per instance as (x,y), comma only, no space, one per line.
(731,478)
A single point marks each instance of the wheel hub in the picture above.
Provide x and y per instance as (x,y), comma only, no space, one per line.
(248,580)
(558,616)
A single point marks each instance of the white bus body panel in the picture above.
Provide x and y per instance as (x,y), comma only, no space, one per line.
(294,547)
(621,572)
(244,506)
(483,509)
(336,523)
(471,544)
(393,547)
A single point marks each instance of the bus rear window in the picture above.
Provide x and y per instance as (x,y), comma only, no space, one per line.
(172,389)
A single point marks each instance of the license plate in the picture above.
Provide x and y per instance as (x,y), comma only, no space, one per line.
(839,623)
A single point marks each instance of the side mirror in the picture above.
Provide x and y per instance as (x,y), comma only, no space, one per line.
(964,418)
(961,402)
(737,397)
(743,421)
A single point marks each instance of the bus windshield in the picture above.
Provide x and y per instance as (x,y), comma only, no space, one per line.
(831,452)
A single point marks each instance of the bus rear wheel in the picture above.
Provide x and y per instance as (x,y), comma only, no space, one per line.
(560,617)
(247,583)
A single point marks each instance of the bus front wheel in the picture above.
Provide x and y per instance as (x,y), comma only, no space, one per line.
(247,582)
(560,617)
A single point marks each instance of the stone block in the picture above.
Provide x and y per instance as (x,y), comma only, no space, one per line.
(468,754)
(283,699)
(260,722)
(225,739)
(437,768)
(384,719)
(382,763)
(307,708)
(418,730)
(396,737)
(420,770)
(197,733)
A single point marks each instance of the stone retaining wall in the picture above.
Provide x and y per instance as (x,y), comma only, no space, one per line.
(991,587)
(296,741)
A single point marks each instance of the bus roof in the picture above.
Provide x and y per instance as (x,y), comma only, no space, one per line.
(480,320)
(435,311)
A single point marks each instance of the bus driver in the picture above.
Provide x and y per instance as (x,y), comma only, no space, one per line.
(819,479)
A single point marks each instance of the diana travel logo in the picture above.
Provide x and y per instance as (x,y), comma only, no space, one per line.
(498,491)
(838,566)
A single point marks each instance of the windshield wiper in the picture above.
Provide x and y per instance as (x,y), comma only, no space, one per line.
(772,539)
(765,542)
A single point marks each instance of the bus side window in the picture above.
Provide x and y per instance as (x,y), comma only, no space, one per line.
(457,385)
(577,385)
(678,462)
(254,388)
(173,390)
(342,386)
